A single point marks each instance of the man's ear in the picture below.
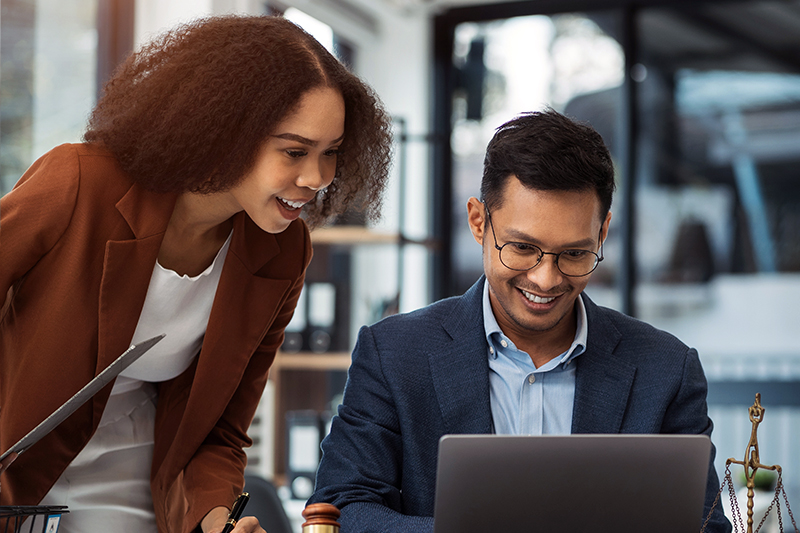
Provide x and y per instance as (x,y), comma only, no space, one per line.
(476,217)
(604,231)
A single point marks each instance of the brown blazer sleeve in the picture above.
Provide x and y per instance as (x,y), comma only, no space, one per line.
(36,212)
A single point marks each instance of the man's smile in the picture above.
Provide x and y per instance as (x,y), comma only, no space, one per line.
(537,299)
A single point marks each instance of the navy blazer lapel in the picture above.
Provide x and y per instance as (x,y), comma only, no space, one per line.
(603,381)
(460,371)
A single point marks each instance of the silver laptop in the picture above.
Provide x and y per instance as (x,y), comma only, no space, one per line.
(571,483)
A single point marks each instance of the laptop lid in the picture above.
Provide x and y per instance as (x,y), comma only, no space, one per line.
(571,483)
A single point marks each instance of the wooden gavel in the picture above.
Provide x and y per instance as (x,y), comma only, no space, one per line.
(321,518)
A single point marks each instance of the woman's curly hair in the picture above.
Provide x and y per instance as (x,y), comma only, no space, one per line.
(191,110)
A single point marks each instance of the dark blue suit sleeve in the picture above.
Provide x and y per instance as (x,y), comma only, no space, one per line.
(689,413)
(361,468)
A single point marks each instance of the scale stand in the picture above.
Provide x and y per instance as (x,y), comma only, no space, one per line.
(751,463)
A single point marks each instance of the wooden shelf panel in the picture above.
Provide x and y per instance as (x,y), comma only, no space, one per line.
(352,235)
(359,235)
(312,361)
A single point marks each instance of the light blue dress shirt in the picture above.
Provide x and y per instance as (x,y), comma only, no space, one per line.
(526,400)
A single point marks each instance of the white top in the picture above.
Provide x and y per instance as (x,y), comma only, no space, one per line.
(178,306)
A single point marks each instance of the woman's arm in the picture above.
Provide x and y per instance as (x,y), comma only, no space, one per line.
(36,213)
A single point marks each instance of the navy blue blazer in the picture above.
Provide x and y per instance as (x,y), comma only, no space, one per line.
(418,376)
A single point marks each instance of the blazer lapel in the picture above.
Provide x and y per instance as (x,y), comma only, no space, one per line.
(603,382)
(232,336)
(127,268)
(460,369)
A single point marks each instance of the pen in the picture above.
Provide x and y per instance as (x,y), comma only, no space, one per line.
(236,512)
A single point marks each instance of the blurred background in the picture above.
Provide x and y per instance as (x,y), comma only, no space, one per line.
(699,102)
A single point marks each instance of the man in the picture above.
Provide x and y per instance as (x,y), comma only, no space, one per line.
(523,351)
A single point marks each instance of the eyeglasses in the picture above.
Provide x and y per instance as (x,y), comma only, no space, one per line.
(524,256)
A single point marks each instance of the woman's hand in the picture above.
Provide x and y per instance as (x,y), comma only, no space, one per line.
(248,524)
(215,520)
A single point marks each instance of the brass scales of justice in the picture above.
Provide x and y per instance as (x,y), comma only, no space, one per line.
(751,463)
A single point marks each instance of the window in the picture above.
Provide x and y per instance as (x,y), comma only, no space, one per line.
(48,62)
(566,61)
(717,221)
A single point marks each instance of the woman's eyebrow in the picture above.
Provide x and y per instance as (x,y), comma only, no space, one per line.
(304,140)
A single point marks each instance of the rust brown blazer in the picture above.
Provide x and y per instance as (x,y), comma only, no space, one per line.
(78,243)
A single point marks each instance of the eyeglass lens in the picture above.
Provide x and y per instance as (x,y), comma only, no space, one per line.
(521,256)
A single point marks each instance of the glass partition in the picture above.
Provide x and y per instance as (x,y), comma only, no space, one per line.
(717,220)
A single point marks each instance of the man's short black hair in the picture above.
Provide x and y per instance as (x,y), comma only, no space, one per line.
(547,151)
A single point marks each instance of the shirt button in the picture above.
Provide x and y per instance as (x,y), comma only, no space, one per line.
(531,379)
(503,343)
(491,350)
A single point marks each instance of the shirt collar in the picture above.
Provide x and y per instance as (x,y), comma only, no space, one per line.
(578,346)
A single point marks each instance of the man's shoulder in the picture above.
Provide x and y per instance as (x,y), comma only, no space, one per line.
(424,317)
(631,331)
(435,325)
(406,343)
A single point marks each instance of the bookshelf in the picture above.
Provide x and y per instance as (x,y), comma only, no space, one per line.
(305,380)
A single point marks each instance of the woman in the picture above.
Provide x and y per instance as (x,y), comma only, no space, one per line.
(178,215)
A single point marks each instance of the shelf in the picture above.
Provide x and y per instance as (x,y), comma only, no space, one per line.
(359,235)
(352,235)
(312,361)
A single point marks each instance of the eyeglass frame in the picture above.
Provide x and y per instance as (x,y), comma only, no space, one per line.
(542,253)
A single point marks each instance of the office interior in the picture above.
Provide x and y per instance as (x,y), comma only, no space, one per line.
(698,101)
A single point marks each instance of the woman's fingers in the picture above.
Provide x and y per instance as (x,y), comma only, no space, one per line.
(248,524)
